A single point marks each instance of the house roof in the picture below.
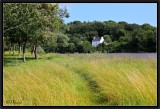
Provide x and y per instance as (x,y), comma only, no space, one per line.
(97,39)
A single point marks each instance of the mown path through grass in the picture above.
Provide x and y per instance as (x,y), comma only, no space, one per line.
(98,97)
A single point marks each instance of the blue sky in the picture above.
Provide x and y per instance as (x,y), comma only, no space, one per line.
(139,13)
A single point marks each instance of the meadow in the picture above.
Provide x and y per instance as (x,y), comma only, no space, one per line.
(79,80)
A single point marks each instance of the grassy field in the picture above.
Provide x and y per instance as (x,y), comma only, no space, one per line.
(79,79)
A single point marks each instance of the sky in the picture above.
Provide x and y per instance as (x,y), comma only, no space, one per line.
(138,13)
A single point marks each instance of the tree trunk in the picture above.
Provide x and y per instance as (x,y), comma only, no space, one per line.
(35,52)
(9,51)
(13,49)
(19,50)
(24,52)
(10,48)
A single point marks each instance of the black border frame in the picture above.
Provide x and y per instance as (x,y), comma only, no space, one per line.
(80,1)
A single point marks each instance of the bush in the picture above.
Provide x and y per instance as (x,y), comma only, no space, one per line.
(84,47)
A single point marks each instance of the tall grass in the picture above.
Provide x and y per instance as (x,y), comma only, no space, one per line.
(80,79)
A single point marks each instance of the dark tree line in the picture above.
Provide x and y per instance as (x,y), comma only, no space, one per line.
(121,36)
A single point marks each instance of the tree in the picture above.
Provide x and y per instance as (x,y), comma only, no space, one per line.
(151,41)
(101,47)
(147,26)
(114,47)
(84,47)
(107,39)
(62,43)
(50,42)
(90,35)
(71,47)
(74,39)
(31,21)
(99,27)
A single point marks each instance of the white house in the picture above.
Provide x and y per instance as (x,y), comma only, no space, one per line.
(97,40)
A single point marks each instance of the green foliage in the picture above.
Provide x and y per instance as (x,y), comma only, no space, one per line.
(49,43)
(40,50)
(71,47)
(114,47)
(84,47)
(32,23)
(62,43)
(128,37)
(90,35)
(107,39)
(74,38)
(101,48)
